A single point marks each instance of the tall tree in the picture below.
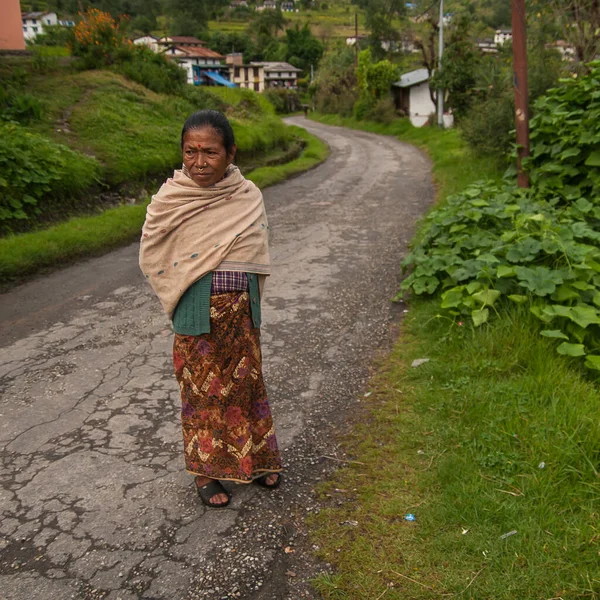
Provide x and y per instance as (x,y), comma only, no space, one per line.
(303,48)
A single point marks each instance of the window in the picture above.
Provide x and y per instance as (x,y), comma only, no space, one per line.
(25,29)
(237,72)
(256,71)
(256,87)
(34,29)
(34,21)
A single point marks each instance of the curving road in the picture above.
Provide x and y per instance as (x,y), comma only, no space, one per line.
(95,502)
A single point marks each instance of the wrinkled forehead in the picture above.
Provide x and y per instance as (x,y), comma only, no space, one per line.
(203,135)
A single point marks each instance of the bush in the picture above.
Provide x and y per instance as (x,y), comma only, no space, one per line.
(284,101)
(334,89)
(97,39)
(152,70)
(383,111)
(36,170)
(16,104)
(489,124)
(538,247)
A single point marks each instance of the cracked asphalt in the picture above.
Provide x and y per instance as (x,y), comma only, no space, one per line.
(95,501)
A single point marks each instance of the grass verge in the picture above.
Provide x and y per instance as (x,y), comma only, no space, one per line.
(27,254)
(493,445)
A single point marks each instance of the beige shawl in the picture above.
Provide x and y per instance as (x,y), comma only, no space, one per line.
(190,231)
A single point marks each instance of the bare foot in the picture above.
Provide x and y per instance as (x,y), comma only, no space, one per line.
(217,499)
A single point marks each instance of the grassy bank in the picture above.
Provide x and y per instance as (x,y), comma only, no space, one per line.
(492,444)
(495,435)
(27,254)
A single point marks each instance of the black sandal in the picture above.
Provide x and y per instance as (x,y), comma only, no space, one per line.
(209,491)
(262,481)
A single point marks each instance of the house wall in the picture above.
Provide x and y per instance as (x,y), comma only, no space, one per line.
(249,77)
(11,28)
(149,41)
(33,27)
(421,106)
(187,62)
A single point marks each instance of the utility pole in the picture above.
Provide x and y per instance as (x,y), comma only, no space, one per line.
(519,42)
(355,40)
(440,92)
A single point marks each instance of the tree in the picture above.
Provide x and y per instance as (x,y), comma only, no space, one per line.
(379,20)
(334,89)
(269,23)
(459,65)
(581,24)
(303,49)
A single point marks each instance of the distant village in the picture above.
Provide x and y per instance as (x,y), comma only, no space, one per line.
(205,67)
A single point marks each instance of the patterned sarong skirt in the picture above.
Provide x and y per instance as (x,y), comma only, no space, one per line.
(228,430)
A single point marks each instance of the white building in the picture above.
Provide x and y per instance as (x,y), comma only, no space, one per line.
(34,23)
(279,74)
(202,58)
(150,41)
(411,95)
(502,36)
(267,5)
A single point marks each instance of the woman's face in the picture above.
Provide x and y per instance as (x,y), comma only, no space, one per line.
(205,156)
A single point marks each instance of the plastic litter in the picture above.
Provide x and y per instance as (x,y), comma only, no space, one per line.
(418,362)
(542,465)
(506,535)
(410,517)
(351,523)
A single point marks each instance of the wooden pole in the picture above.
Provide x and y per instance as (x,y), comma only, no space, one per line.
(519,42)
(355,39)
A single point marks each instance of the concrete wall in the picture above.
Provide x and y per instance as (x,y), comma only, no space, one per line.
(421,106)
(11,27)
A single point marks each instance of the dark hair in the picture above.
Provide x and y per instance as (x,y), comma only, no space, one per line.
(214,119)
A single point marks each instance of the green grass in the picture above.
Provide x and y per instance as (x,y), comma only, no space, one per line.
(31,253)
(495,434)
(27,254)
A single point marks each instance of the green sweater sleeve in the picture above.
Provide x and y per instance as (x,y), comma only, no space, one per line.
(192,314)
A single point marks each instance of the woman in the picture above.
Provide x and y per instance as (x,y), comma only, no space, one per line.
(204,250)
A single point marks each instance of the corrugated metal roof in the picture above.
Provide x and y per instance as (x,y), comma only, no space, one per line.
(275,66)
(412,78)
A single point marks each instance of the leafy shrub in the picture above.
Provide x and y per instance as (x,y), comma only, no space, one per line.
(284,101)
(383,111)
(538,247)
(16,104)
(152,70)
(334,89)
(565,140)
(489,124)
(54,35)
(35,171)
(97,39)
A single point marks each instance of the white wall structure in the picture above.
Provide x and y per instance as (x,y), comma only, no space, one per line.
(502,36)
(413,97)
(149,41)
(34,23)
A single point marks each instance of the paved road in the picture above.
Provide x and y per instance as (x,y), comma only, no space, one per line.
(95,501)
